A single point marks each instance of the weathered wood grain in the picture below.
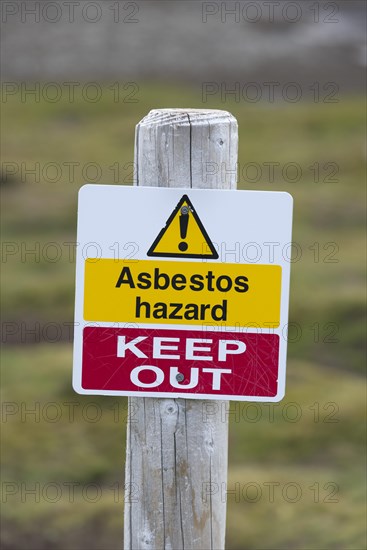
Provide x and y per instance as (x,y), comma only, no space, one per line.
(176,457)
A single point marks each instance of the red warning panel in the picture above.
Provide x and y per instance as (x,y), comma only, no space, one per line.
(151,362)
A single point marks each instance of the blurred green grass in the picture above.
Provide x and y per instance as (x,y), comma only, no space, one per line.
(317,459)
(326,359)
(327,280)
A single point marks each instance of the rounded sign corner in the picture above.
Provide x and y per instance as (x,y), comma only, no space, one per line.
(288,197)
(78,388)
(279,396)
(84,189)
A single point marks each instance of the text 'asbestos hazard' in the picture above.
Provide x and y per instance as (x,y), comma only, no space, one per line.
(149,291)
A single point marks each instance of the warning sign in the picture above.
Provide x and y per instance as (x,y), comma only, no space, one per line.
(182,294)
(183,236)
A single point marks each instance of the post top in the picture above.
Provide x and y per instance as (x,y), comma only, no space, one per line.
(187,116)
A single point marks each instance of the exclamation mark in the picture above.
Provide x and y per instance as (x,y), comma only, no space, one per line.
(184,222)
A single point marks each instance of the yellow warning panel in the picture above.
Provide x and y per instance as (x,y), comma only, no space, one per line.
(182,293)
(184,235)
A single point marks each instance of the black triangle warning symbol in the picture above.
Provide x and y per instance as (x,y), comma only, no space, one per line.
(184,235)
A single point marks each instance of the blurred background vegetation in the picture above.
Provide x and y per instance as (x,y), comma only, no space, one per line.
(325,359)
(310,446)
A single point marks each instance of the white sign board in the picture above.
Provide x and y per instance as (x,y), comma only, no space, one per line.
(182,292)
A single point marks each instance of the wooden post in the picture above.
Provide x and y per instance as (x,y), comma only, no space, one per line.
(176,456)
